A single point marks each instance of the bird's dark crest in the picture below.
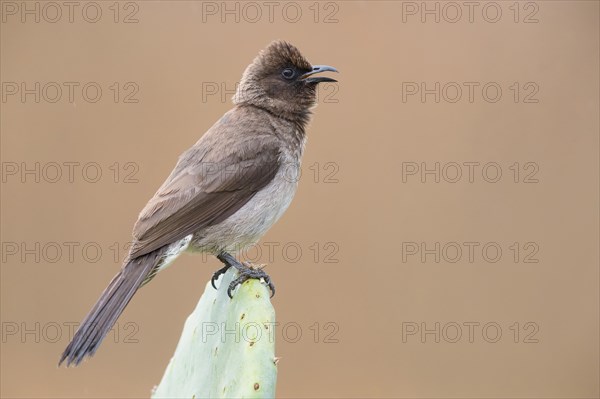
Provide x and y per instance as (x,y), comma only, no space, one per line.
(280,50)
(277,55)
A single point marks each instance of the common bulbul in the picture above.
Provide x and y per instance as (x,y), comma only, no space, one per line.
(225,192)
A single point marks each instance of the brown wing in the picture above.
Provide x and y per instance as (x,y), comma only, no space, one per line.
(211,181)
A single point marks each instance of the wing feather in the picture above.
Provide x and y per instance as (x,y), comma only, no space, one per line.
(206,186)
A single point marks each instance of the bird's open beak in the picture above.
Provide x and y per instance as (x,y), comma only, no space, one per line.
(319,69)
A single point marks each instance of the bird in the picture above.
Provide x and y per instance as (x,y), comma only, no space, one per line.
(225,191)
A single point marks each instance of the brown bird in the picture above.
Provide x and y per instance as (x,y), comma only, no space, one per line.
(225,192)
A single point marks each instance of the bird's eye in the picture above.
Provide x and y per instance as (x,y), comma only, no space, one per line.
(288,73)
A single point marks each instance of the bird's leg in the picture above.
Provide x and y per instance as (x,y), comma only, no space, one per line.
(246,271)
(226,260)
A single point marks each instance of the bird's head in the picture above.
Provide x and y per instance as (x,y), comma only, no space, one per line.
(281,80)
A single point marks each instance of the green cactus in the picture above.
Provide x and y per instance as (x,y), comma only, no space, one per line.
(227,348)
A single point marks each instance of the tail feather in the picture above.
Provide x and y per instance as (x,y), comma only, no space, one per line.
(109,307)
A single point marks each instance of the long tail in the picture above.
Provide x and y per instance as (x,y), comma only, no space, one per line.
(109,307)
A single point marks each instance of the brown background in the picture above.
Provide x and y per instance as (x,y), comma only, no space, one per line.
(361,134)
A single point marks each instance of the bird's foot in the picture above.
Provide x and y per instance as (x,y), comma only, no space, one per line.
(249,271)
(246,271)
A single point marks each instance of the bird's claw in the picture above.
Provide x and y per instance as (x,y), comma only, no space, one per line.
(248,272)
(218,274)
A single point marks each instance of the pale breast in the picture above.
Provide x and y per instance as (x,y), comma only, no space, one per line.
(253,220)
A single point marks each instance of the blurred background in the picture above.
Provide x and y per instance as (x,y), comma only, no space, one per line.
(444,238)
